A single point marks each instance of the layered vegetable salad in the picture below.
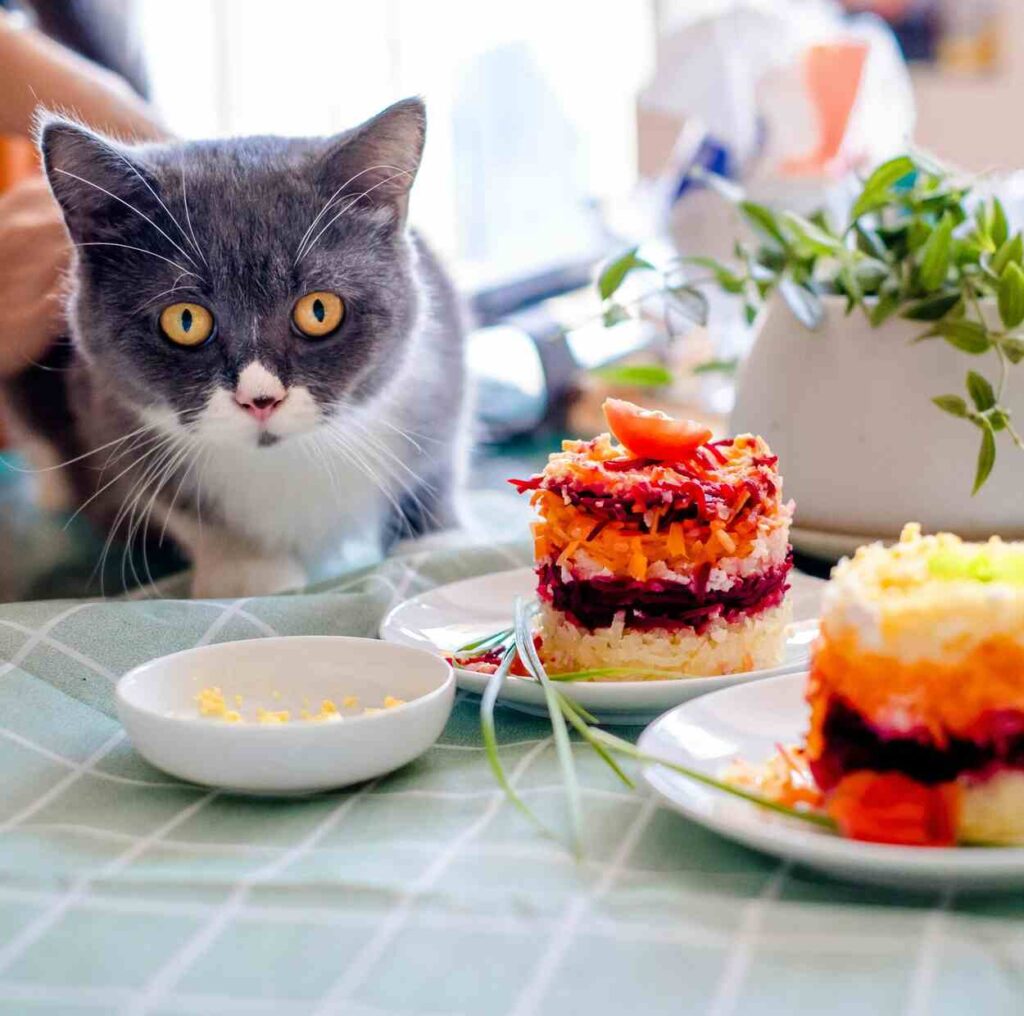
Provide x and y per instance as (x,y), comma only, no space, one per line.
(664,551)
(917,691)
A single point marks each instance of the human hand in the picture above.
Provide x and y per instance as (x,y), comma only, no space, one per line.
(35,251)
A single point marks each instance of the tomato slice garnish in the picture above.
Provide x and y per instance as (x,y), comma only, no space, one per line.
(893,808)
(649,434)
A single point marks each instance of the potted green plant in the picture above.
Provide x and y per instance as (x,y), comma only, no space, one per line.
(881,369)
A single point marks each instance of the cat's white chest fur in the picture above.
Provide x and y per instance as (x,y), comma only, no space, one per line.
(300,497)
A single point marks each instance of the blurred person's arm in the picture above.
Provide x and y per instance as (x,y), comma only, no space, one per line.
(35,71)
(34,247)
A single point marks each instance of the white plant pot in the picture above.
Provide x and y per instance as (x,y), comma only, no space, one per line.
(861,447)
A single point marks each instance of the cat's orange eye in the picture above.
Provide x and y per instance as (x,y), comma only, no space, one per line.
(318,314)
(186,324)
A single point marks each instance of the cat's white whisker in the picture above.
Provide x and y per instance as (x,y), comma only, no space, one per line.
(379,452)
(152,479)
(166,473)
(390,479)
(407,435)
(112,532)
(167,292)
(109,483)
(127,550)
(168,514)
(77,458)
(310,444)
(116,455)
(330,201)
(375,444)
(129,205)
(159,201)
(188,219)
(353,456)
(358,197)
(141,250)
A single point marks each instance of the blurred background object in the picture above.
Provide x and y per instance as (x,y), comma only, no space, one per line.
(563,132)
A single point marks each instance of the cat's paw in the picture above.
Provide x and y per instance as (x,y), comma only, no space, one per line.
(255,576)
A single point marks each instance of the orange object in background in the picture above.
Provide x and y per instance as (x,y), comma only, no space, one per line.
(833,72)
(18,160)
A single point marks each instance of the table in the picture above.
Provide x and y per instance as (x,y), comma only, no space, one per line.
(122,890)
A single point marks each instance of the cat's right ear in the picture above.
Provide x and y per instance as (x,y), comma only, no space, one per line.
(91,177)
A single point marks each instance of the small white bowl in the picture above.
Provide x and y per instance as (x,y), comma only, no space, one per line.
(157,705)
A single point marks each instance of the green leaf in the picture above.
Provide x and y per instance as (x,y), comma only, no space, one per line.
(810,236)
(750,312)
(998,228)
(1013,348)
(490,738)
(624,747)
(983,224)
(805,305)
(717,366)
(918,233)
(724,276)
(1011,250)
(968,336)
(885,306)
(690,302)
(563,747)
(980,391)
(639,375)
(952,404)
(1011,295)
(986,457)
(870,242)
(870,273)
(577,716)
(932,307)
(935,255)
(878,184)
(615,272)
(999,419)
(614,315)
(764,221)
(766,264)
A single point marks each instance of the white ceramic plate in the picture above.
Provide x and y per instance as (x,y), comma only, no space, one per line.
(156,704)
(748,721)
(445,618)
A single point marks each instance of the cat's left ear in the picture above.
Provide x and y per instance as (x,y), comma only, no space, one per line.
(378,159)
(93,178)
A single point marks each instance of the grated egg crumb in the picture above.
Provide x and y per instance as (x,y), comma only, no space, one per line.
(212,703)
(269,716)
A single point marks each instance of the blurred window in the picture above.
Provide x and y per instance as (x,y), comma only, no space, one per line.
(531,105)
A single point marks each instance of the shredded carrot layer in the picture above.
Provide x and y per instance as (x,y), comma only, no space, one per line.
(563,530)
(944,698)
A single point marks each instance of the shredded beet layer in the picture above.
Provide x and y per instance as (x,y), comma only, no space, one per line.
(593,603)
(852,743)
(690,497)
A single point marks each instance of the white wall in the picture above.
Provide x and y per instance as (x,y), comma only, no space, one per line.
(977,122)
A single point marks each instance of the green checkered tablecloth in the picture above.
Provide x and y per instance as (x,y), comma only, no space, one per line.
(122,890)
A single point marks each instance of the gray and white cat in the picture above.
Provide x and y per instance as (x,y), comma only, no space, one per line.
(264,359)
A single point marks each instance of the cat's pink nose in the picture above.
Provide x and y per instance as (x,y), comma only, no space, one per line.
(259,392)
(261,406)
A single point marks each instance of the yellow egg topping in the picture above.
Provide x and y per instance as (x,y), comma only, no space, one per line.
(212,703)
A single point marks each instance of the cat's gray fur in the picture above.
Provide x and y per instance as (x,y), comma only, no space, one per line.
(222,223)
